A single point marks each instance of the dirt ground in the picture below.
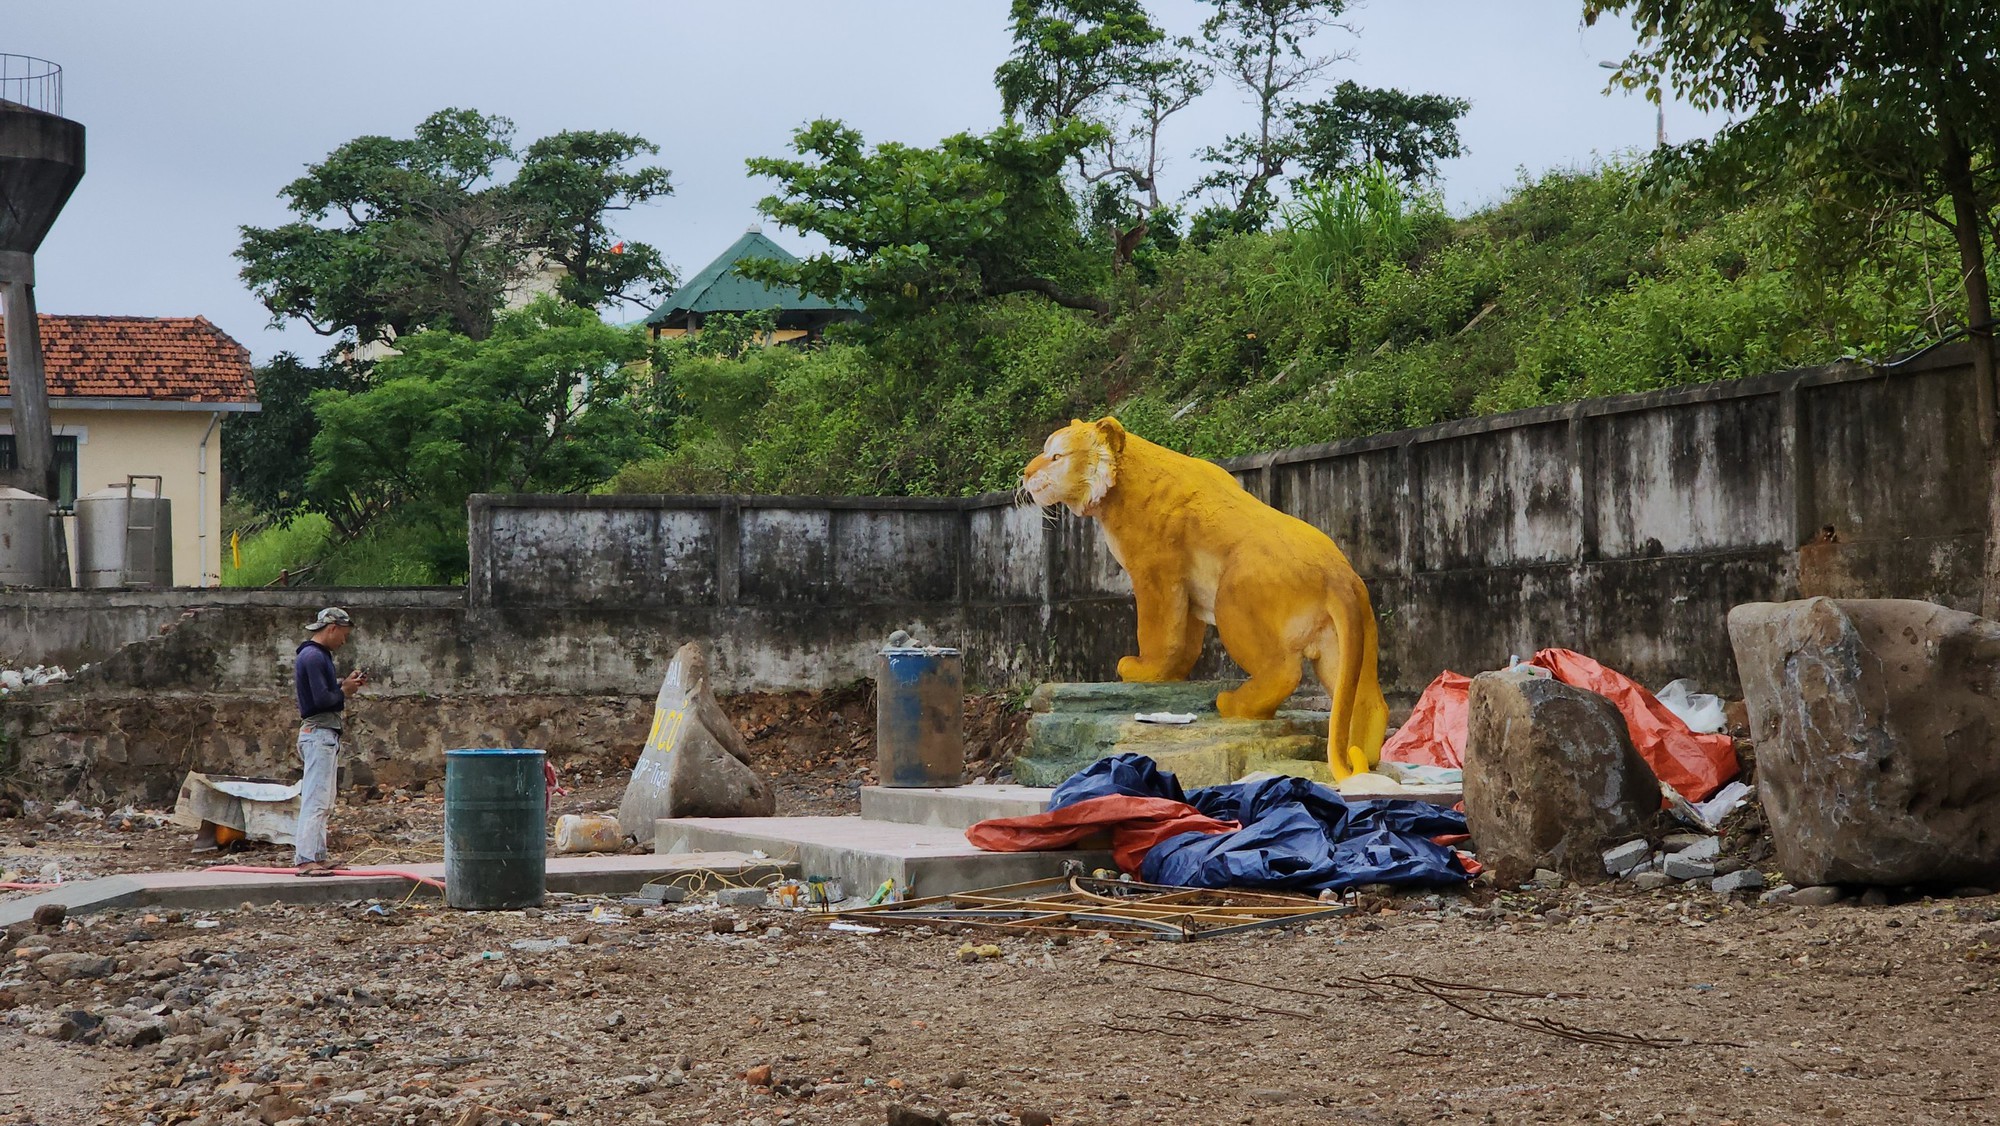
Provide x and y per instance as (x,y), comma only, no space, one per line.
(1587,1004)
(1594,1003)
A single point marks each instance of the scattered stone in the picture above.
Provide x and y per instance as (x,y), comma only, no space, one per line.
(759,1076)
(1651,881)
(697,766)
(1780,894)
(59,968)
(742,897)
(133,1032)
(1874,722)
(1551,778)
(1681,868)
(1822,896)
(351,1098)
(50,915)
(1034,1118)
(664,893)
(280,1107)
(80,1026)
(900,1115)
(1747,879)
(1624,859)
(1707,848)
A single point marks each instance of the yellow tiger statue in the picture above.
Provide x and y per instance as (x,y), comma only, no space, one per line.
(1203,551)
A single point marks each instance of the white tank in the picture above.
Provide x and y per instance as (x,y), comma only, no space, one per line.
(24,538)
(124,540)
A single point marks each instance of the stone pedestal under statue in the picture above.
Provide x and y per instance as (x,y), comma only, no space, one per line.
(1072,725)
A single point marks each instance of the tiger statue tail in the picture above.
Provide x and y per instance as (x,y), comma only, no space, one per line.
(1347,671)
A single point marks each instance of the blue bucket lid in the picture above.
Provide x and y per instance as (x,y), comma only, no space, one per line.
(494,751)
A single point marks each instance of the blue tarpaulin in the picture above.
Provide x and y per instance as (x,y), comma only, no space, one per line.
(1297,835)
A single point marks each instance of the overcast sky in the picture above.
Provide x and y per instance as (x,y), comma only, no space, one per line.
(199,111)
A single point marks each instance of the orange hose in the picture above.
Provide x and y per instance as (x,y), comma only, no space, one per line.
(256,871)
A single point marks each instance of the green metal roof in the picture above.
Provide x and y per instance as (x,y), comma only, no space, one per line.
(719,288)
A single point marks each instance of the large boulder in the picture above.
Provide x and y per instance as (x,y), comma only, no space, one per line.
(695,763)
(1877,723)
(1551,777)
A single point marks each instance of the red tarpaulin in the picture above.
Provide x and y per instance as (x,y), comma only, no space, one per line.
(1136,824)
(1694,765)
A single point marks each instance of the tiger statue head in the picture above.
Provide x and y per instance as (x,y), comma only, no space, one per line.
(1077,467)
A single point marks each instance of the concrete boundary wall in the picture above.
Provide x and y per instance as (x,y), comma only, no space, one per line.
(1622,527)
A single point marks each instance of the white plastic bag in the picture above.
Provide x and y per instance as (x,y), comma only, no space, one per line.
(1699,710)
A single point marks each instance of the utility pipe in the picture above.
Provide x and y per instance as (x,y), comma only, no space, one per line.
(201,504)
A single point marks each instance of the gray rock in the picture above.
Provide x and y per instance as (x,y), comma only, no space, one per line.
(59,968)
(663,893)
(742,897)
(1707,848)
(1823,896)
(1675,842)
(1875,722)
(1627,857)
(133,1032)
(694,763)
(1747,879)
(1551,778)
(1681,868)
(1651,881)
(1780,894)
(1546,878)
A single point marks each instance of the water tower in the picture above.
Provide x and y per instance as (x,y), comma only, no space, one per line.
(41,160)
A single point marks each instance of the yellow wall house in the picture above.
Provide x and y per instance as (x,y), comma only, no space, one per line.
(144,395)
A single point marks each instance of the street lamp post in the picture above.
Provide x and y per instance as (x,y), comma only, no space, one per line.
(1659,113)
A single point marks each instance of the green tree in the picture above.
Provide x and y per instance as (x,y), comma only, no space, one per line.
(913,229)
(1865,107)
(540,405)
(567,185)
(1358,125)
(1104,62)
(1070,55)
(264,456)
(395,235)
(1260,46)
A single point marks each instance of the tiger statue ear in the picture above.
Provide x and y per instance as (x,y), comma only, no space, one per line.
(1112,432)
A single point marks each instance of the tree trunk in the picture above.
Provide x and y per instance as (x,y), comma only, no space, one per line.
(1969,229)
(1085,301)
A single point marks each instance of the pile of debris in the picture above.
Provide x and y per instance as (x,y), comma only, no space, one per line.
(32,676)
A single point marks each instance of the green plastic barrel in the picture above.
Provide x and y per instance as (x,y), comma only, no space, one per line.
(495,806)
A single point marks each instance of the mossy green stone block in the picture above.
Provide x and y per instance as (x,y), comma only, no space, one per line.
(1073,725)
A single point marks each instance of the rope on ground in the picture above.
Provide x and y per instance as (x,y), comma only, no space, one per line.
(1451,994)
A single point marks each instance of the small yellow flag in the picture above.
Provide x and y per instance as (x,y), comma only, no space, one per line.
(236,550)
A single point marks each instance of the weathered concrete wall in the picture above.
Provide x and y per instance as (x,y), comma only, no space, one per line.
(1625,528)
(1622,527)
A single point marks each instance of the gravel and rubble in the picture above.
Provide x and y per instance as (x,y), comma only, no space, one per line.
(372,1013)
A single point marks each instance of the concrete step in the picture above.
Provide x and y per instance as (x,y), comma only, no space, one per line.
(201,889)
(951,807)
(862,852)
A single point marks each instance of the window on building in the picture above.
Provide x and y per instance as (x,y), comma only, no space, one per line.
(65,467)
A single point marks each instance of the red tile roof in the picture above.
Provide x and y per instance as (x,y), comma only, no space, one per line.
(172,358)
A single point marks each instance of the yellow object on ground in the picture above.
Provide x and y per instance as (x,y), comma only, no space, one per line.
(1201,550)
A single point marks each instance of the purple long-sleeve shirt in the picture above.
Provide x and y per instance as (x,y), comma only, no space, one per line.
(320,697)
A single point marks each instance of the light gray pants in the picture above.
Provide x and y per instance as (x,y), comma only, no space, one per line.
(319,750)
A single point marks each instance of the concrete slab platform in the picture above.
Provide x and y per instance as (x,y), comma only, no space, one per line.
(951,807)
(922,859)
(207,890)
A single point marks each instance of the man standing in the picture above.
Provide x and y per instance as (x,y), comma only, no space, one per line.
(322,695)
